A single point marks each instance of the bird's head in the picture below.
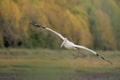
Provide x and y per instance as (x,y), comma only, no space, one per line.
(64,41)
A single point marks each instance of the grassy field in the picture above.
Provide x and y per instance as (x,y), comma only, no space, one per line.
(46,64)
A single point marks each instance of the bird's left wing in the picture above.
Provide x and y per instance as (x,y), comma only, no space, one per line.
(37,25)
(85,48)
(55,33)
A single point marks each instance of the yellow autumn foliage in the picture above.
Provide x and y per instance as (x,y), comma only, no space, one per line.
(81,32)
(10,13)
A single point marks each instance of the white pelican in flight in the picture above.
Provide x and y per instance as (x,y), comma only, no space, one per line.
(70,45)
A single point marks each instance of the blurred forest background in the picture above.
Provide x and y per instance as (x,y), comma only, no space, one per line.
(91,23)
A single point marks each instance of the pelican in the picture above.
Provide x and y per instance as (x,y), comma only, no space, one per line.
(70,45)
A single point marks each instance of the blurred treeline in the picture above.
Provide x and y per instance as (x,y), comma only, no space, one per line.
(91,23)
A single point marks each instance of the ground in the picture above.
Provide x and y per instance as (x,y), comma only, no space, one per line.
(47,64)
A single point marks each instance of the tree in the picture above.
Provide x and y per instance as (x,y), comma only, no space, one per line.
(9,18)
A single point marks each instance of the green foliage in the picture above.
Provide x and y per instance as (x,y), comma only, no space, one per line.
(96,32)
(107,33)
(92,23)
(113,11)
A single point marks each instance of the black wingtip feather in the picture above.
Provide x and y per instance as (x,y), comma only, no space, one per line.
(104,58)
(37,25)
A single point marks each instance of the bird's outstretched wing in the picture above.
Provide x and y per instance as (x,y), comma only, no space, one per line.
(85,48)
(55,33)
(37,25)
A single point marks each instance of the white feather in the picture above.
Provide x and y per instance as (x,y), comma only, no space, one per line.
(85,48)
(55,33)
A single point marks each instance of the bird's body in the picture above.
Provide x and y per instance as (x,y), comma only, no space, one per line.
(70,45)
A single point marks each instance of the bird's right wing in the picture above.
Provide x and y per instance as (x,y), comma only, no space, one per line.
(55,33)
(99,55)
